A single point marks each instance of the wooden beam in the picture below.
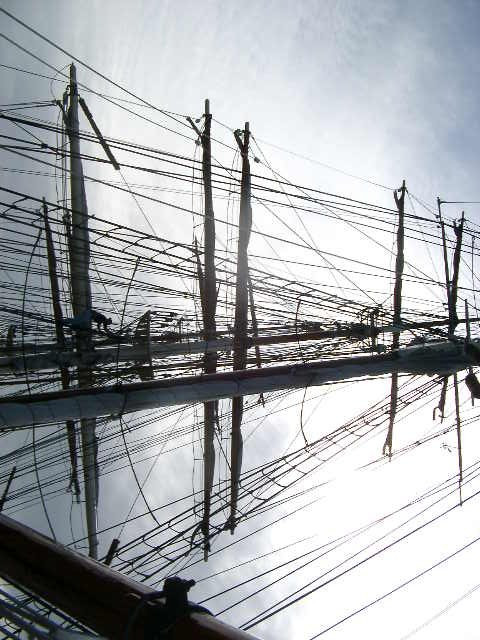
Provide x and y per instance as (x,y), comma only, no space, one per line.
(208,294)
(104,600)
(99,135)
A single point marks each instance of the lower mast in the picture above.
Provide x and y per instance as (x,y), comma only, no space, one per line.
(79,250)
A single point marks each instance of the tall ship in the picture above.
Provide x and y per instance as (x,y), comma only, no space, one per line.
(217,382)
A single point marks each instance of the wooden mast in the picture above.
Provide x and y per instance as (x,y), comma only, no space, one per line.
(397,311)
(452,295)
(453,323)
(443,393)
(210,327)
(241,318)
(208,290)
(82,302)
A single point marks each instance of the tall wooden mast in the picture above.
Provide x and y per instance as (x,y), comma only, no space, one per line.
(452,294)
(82,302)
(241,317)
(208,290)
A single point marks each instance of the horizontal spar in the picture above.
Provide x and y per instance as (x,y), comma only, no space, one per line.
(54,358)
(432,359)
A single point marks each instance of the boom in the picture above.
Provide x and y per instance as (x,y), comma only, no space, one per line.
(443,358)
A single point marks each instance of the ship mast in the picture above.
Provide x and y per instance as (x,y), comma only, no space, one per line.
(208,292)
(79,250)
(241,318)
(452,294)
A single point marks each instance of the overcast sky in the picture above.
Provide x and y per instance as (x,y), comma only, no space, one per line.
(353,91)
